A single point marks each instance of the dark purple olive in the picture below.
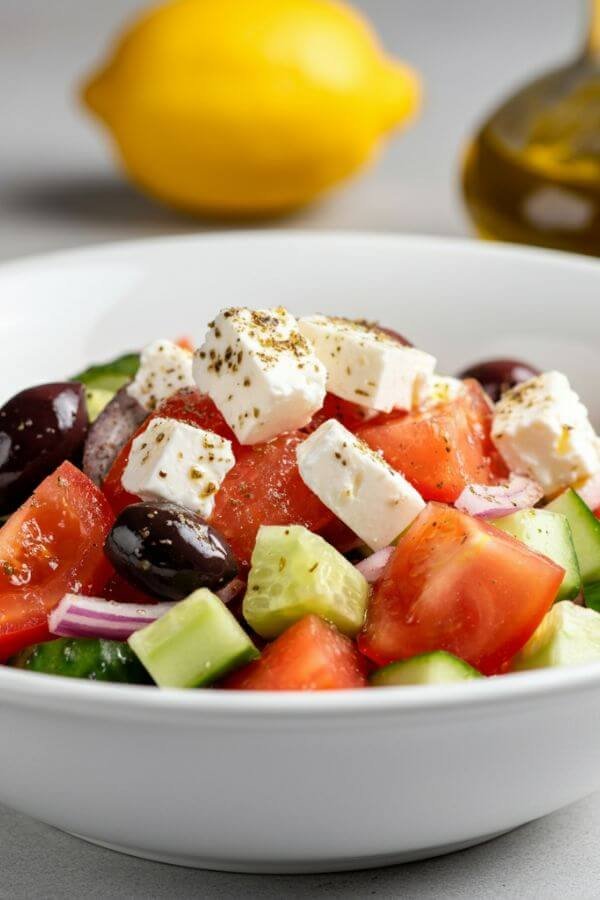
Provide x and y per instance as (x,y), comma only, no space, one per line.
(119,419)
(168,551)
(499,375)
(39,428)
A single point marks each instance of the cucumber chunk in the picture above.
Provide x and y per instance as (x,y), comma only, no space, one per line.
(438,667)
(294,573)
(568,635)
(96,399)
(547,533)
(585,529)
(112,375)
(193,644)
(93,658)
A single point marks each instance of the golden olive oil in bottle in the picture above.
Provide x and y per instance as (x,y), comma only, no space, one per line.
(532,173)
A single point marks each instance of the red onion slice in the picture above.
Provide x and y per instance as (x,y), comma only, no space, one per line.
(590,491)
(493,501)
(373,566)
(78,616)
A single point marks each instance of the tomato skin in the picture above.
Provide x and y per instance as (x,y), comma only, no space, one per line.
(309,656)
(349,414)
(52,545)
(263,488)
(457,583)
(442,450)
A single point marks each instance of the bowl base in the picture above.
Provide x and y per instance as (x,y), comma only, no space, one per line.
(293,867)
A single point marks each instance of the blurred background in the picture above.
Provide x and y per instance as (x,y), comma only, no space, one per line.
(60,187)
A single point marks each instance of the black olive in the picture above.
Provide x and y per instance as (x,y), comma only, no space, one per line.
(499,375)
(39,428)
(168,551)
(109,433)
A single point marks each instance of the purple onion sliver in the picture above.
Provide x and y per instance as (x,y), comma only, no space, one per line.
(373,566)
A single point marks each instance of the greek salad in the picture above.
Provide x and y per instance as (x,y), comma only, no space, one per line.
(298,504)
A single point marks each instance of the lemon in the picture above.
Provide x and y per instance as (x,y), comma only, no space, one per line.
(248,107)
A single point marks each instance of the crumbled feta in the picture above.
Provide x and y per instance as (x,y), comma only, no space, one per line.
(440,389)
(164,369)
(542,429)
(261,373)
(356,484)
(171,460)
(367,366)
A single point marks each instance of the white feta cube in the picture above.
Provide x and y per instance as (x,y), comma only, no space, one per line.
(171,460)
(439,390)
(260,372)
(542,429)
(164,369)
(366,365)
(356,484)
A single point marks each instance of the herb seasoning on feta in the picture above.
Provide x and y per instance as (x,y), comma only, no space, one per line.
(174,461)
(261,372)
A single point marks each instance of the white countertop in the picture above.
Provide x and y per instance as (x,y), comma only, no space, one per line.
(59,189)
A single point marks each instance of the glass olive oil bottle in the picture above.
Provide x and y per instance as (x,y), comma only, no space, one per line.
(532,173)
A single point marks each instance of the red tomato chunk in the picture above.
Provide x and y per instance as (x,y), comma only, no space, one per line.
(52,545)
(456,583)
(309,656)
(442,450)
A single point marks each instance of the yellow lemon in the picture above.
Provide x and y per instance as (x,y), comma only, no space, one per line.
(248,107)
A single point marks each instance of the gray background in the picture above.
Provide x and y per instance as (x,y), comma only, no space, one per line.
(58,188)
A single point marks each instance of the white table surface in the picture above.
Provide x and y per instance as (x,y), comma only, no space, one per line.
(59,189)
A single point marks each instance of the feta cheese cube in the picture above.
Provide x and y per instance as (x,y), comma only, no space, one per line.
(164,369)
(174,461)
(356,484)
(542,429)
(440,389)
(367,366)
(260,372)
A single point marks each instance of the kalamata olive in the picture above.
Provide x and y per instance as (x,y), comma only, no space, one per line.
(168,551)
(39,428)
(112,429)
(498,375)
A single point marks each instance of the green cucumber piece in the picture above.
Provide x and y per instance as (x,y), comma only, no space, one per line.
(437,667)
(585,529)
(93,658)
(110,376)
(193,644)
(548,533)
(96,399)
(568,635)
(295,572)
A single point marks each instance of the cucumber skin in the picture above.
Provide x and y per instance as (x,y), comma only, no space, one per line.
(95,659)
(525,526)
(585,528)
(112,375)
(411,671)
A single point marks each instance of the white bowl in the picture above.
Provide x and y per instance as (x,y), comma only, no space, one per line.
(293,782)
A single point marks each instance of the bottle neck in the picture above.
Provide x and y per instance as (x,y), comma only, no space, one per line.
(593,35)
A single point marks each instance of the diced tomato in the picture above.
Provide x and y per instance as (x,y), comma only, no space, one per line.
(349,414)
(185,343)
(309,656)
(444,449)
(116,588)
(265,488)
(456,583)
(52,545)
(188,405)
